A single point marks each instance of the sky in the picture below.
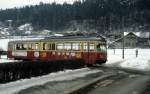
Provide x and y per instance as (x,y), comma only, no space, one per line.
(20,3)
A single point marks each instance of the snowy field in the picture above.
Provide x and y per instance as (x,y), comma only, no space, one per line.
(141,62)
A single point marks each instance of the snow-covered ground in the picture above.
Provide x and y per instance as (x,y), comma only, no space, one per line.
(4,59)
(141,62)
(14,87)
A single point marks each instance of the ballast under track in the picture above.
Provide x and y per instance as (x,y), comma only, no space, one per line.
(26,69)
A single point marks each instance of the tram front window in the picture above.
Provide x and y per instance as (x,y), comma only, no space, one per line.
(101,47)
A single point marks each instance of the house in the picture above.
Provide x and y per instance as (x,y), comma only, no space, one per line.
(131,40)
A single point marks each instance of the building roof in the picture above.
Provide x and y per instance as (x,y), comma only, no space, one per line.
(135,33)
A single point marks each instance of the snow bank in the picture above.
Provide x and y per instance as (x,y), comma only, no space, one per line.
(14,87)
(142,62)
(137,63)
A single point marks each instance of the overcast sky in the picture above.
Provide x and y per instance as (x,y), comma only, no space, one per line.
(19,3)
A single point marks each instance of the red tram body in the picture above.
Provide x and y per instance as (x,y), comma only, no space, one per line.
(92,50)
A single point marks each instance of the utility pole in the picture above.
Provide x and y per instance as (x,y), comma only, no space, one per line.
(10,27)
(123,38)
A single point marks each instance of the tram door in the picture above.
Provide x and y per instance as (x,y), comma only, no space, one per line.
(89,47)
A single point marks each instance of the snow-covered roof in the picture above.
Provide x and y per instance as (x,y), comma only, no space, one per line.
(136,33)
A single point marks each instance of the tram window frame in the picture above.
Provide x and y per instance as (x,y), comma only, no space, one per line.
(20,46)
(17,47)
(92,45)
(23,46)
(30,46)
(76,46)
(49,46)
(67,46)
(53,46)
(60,46)
(33,46)
(36,46)
(46,46)
(85,46)
(100,47)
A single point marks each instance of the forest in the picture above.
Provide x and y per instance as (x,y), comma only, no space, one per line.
(101,15)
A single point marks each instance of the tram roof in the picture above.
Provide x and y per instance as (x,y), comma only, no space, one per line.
(63,39)
(74,38)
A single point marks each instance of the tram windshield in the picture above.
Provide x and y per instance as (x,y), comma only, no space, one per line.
(101,47)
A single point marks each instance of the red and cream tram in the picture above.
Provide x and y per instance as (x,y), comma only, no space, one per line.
(90,49)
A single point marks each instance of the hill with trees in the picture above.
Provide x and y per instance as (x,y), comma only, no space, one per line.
(100,15)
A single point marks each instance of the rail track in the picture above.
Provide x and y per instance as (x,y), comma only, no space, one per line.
(25,69)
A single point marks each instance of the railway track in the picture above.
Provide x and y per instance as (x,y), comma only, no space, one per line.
(18,70)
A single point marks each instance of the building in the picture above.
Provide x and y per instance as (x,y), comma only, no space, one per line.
(132,40)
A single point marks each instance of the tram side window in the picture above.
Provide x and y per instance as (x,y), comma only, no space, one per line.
(49,46)
(60,46)
(36,46)
(91,48)
(33,46)
(67,46)
(30,46)
(17,47)
(53,46)
(46,46)
(25,46)
(76,46)
(85,46)
(21,46)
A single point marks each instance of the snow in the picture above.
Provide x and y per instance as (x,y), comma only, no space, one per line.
(4,59)
(142,62)
(14,87)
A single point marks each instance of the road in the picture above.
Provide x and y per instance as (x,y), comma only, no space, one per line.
(132,84)
(111,81)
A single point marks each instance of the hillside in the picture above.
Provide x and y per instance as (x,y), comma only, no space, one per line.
(100,15)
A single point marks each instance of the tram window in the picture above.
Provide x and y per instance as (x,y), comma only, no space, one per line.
(30,46)
(36,46)
(67,46)
(85,46)
(33,46)
(91,48)
(76,46)
(98,47)
(24,46)
(21,46)
(60,46)
(46,46)
(53,46)
(49,47)
(17,47)
(101,47)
